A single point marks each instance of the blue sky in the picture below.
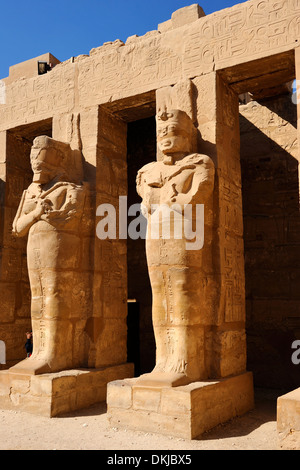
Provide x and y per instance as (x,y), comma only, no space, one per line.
(69,28)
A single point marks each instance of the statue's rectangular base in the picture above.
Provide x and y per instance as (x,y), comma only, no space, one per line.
(57,393)
(288,420)
(185,411)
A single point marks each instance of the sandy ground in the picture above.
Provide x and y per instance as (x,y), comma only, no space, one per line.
(89,430)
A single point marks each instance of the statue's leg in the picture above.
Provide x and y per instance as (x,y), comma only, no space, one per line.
(159,315)
(53,331)
(176,330)
(51,293)
(188,355)
(170,334)
(30,364)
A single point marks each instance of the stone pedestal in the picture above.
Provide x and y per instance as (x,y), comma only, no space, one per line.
(288,420)
(57,393)
(186,411)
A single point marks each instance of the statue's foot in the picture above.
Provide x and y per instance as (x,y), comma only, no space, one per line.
(163,379)
(31,366)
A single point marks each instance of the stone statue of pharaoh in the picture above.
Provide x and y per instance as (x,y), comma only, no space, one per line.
(179,270)
(50,213)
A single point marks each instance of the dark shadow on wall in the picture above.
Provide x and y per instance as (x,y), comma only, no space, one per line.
(2,202)
(270,191)
(279,107)
(141,149)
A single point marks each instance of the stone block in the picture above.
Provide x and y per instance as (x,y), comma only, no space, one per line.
(180,401)
(119,394)
(186,15)
(40,385)
(186,411)
(146,398)
(163,27)
(28,68)
(57,393)
(151,422)
(288,420)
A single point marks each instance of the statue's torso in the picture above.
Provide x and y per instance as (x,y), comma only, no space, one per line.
(188,182)
(64,199)
(163,184)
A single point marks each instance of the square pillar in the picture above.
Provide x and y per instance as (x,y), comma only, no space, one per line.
(225,388)
(110,254)
(103,141)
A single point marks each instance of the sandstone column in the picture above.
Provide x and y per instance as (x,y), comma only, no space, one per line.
(102,139)
(213,107)
(218,123)
(200,378)
(110,256)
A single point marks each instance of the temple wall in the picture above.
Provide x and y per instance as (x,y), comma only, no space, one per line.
(114,71)
(269,149)
(118,83)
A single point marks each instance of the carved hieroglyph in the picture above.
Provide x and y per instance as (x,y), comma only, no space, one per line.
(179,276)
(50,213)
(248,31)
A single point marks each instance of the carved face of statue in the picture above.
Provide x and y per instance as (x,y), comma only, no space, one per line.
(174,132)
(45,161)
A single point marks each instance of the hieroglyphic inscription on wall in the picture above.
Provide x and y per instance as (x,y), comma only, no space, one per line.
(127,69)
(232,252)
(245,32)
(39,97)
(253,29)
(276,125)
(241,33)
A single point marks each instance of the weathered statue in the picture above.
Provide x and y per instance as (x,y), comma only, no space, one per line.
(178,270)
(50,213)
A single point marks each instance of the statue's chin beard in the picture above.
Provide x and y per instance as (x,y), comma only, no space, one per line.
(167,159)
(40,177)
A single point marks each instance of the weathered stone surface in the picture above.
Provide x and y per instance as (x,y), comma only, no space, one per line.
(185,411)
(197,64)
(56,393)
(242,33)
(50,214)
(179,178)
(288,420)
(269,150)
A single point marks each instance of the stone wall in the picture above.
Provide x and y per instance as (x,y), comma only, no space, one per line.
(271,233)
(116,70)
(106,89)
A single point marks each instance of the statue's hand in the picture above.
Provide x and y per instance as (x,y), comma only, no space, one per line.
(42,207)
